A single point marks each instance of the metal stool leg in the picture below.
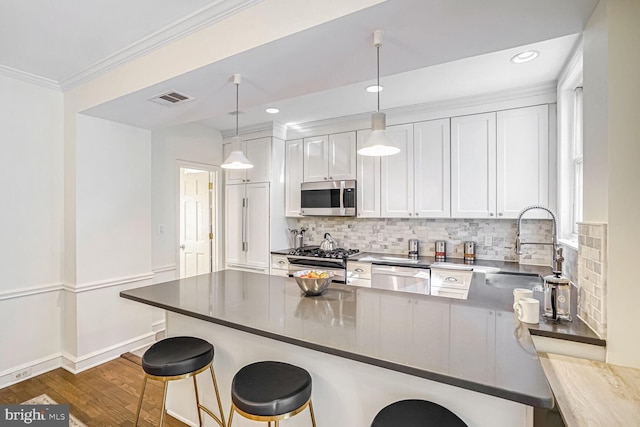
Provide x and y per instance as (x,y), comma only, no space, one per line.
(195,387)
(144,384)
(215,387)
(164,403)
(230,416)
(313,418)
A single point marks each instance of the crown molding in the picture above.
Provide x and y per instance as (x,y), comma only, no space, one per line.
(181,28)
(244,131)
(29,78)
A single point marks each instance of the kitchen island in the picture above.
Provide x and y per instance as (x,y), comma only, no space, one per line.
(364,348)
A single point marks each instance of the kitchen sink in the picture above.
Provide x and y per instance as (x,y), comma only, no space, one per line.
(512,281)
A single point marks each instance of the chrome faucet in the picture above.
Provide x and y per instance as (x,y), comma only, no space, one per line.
(557,251)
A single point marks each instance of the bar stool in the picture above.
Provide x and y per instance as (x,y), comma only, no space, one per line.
(416,413)
(270,391)
(175,359)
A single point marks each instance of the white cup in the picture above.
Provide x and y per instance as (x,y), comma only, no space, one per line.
(519,293)
(527,310)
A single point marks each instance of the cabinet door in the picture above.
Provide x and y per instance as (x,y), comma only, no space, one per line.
(316,155)
(473,166)
(342,156)
(293,176)
(257,225)
(234,223)
(258,152)
(473,342)
(396,178)
(523,160)
(233,176)
(431,162)
(368,181)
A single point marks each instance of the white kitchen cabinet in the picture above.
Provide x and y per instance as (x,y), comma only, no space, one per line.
(432,169)
(368,181)
(294,152)
(279,265)
(330,157)
(522,160)
(258,152)
(247,237)
(473,166)
(396,175)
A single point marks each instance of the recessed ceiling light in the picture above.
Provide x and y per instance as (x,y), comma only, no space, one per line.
(272,110)
(374,88)
(523,57)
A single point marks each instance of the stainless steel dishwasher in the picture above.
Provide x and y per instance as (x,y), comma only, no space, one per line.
(403,279)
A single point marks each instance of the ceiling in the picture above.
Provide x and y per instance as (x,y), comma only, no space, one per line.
(432,50)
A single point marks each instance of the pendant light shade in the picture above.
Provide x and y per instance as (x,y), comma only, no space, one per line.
(378,143)
(237,159)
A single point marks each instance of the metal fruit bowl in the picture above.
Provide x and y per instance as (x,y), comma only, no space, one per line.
(312,287)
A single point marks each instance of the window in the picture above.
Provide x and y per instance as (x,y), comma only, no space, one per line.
(570,163)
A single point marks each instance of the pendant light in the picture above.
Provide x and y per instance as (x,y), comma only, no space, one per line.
(378,143)
(236,160)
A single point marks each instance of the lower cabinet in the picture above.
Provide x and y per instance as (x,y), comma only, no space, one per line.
(247,227)
(279,266)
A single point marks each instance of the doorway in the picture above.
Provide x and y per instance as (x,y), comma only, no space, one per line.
(198,219)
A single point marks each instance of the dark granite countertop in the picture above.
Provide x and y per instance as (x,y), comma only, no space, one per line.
(454,342)
(483,295)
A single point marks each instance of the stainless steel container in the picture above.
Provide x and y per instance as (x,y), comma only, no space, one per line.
(414,248)
(557,297)
(441,250)
(469,251)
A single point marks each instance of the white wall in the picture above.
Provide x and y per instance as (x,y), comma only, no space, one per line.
(113,239)
(189,142)
(31,225)
(623,19)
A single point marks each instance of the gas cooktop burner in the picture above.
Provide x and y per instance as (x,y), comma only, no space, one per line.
(339,253)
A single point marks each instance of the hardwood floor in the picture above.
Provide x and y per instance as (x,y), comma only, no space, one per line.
(106,395)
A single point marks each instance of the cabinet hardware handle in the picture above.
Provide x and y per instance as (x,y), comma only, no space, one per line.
(325,178)
(500,214)
(451,279)
(490,213)
(248,180)
(417,214)
(281,262)
(359,270)
(409,213)
(330,177)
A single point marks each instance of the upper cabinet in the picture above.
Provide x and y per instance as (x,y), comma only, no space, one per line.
(432,169)
(330,157)
(258,151)
(473,166)
(500,163)
(522,161)
(396,175)
(294,154)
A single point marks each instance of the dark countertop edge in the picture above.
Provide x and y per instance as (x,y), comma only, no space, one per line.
(568,337)
(540,402)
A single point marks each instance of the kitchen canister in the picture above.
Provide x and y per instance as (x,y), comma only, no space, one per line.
(441,250)
(469,251)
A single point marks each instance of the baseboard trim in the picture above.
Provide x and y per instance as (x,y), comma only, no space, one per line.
(38,367)
(164,268)
(181,418)
(76,365)
(159,326)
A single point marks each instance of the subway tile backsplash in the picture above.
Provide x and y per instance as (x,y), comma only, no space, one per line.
(395,232)
(592,276)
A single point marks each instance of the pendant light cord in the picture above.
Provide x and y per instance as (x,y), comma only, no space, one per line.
(378,69)
(237,108)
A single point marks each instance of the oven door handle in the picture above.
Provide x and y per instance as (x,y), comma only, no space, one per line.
(342,208)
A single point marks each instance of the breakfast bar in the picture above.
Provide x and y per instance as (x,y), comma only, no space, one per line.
(364,348)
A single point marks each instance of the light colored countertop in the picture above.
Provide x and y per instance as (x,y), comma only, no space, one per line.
(593,394)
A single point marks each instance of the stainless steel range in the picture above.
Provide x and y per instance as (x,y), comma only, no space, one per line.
(312,257)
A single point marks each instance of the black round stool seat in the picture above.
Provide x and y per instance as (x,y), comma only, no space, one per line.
(416,413)
(270,388)
(177,356)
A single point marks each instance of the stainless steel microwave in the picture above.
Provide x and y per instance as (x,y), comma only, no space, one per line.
(328,198)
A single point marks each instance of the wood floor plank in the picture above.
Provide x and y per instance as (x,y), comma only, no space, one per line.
(106,395)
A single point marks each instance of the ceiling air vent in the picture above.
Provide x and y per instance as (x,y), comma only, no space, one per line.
(171,98)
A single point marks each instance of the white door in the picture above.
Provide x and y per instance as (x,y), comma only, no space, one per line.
(257,225)
(258,152)
(522,160)
(473,166)
(396,178)
(342,156)
(195,222)
(293,176)
(368,181)
(316,155)
(431,163)
(234,223)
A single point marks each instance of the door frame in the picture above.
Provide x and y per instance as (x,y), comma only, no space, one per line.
(217,247)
